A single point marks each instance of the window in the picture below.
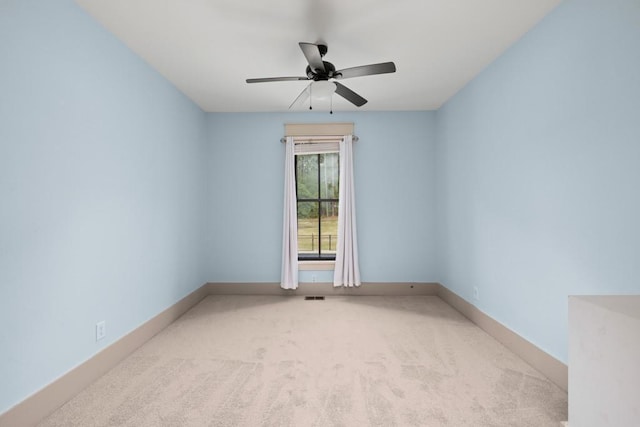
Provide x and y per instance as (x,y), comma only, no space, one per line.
(317,189)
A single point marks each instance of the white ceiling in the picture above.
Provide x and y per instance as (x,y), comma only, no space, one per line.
(207,48)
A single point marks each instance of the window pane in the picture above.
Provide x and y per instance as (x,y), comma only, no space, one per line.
(329,227)
(308,239)
(329,175)
(307,176)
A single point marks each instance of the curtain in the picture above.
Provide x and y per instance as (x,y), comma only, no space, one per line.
(347,270)
(289,276)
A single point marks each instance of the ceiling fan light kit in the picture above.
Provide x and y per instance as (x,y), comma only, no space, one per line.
(323,76)
(323,89)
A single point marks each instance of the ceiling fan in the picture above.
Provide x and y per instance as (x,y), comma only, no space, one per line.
(323,71)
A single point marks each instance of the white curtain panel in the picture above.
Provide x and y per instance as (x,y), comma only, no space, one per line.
(289,276)
(347,270)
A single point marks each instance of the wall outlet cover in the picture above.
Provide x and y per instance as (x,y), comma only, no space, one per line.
(101,330)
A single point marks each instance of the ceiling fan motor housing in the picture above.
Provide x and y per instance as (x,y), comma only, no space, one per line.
(329,72)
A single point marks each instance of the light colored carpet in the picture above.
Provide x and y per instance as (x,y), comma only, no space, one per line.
(345,361)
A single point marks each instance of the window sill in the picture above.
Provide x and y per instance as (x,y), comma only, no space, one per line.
(316,265)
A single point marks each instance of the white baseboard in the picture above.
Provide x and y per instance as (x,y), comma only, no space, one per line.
(324,289)
(42,403)
(548,365)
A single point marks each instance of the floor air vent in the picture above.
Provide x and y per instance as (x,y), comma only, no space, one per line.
(313,298)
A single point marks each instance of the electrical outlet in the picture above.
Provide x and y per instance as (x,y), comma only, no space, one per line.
(101,330)
(476,293)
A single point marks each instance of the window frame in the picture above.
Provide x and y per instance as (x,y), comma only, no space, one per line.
(319,200)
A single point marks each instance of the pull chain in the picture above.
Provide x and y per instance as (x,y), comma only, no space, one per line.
(310,96)
(331,101)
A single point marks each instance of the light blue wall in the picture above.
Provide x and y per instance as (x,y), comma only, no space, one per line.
(395,193)
(101,185)
(539,172)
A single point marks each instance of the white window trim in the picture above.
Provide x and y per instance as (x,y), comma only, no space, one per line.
(316,265)
(318,133)
(318,129)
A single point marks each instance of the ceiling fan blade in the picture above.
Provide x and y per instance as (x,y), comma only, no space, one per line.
(304,95)
(312,53)
(366,70)
(276,79)
(350,95)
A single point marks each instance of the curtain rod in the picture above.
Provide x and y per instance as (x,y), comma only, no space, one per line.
(324,138)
